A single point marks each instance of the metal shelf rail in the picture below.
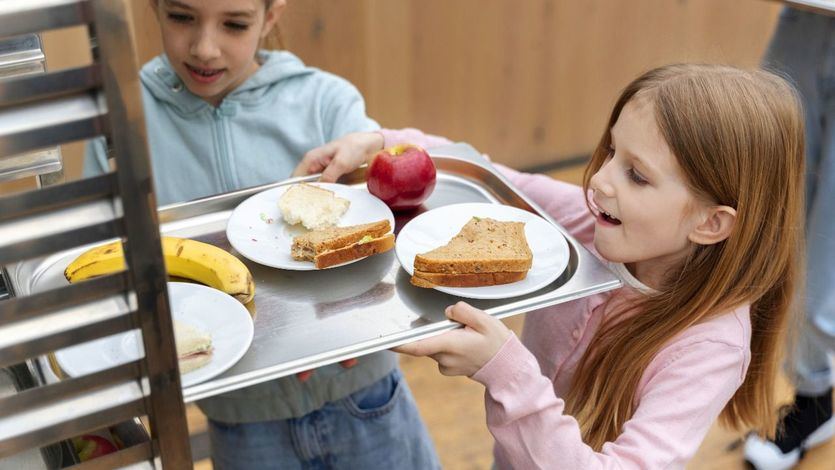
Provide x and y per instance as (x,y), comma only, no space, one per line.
(19,56)
(46,110)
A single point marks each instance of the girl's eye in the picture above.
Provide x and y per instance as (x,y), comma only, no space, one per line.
(237,26)
(179,17)
(636,177)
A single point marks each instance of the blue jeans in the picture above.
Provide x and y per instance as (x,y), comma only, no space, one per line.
(803,48)
(376,427)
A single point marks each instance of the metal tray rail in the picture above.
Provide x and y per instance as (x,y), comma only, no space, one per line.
(368,306)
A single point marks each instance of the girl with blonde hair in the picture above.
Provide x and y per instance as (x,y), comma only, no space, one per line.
(694,197)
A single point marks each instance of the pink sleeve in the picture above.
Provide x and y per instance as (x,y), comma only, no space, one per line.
(676,409)
(562,201)
(393,137)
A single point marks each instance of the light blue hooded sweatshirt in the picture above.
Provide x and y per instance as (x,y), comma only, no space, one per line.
(257,135)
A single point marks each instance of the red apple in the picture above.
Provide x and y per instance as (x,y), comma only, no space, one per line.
(402,176)
(90,446)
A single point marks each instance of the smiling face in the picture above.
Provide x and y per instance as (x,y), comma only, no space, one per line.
(211,44)
(645,211)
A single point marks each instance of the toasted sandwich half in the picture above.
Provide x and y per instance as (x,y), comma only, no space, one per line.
(194,347)
(485,252)
(336,245)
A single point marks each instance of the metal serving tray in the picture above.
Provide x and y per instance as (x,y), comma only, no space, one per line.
(307,319)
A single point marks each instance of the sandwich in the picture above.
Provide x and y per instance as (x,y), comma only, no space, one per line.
(194,347)
(312,206)
(336,245)
(485,252)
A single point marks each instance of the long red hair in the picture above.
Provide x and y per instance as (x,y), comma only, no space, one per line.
(738,137)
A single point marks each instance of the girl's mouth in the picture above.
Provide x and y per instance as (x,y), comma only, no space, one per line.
(604,217)
(203,75)
(607,219)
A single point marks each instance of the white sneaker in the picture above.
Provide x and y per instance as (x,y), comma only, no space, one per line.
(765,455)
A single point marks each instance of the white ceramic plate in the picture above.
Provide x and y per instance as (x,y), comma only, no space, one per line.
(436,227)
(210,310)
(258,232)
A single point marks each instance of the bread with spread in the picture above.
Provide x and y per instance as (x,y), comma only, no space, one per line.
(485,252)
(336,245)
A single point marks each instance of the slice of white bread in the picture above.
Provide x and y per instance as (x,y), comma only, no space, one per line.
(312,206)
(194,347)
(193,362)
(485,252)
(336,245)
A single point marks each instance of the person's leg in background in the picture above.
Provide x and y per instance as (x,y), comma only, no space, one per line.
(803,48)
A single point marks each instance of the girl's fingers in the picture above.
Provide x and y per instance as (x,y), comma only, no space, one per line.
(468,315)
(348,363)
(317,159)
(427,347)
(304,375)
(335,168)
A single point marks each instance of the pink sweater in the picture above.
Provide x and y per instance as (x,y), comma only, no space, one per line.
(679,396)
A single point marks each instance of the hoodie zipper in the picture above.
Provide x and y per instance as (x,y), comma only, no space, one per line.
(228,178)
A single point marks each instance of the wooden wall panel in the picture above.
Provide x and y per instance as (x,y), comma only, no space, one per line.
(530,82)
(527,81)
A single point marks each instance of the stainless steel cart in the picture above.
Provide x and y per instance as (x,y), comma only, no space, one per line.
(42,111)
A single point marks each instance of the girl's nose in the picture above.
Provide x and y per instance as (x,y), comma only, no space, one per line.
(600,182)
(204,47)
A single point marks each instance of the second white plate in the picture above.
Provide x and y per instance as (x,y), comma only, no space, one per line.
(209,310)
(436,227)
(258,232)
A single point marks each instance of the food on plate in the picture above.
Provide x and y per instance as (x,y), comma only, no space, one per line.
(194,347)
(485,252)
(189,259)
(314,207)
(402,176)
(337,245)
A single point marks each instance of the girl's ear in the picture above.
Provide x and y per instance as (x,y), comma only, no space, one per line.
(272,16)
(716,225)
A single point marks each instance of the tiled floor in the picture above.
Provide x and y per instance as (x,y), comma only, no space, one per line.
(453,411)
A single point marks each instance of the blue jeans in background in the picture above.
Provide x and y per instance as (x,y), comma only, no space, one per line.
(803,50)
(376,427)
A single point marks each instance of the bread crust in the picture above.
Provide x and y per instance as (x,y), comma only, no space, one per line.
(472,266)
(354,251)
(429,280)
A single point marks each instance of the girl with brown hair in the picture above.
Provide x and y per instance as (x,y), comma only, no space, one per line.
(224,114)
(694,197)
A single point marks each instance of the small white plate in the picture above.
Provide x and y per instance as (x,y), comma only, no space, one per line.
(209,310)
(258,232)
(437,227)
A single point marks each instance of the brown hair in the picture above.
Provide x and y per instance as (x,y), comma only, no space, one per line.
(738,137)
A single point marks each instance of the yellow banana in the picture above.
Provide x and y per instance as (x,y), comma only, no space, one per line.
(184,258)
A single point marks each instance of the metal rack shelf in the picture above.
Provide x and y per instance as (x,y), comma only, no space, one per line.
(38,111)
